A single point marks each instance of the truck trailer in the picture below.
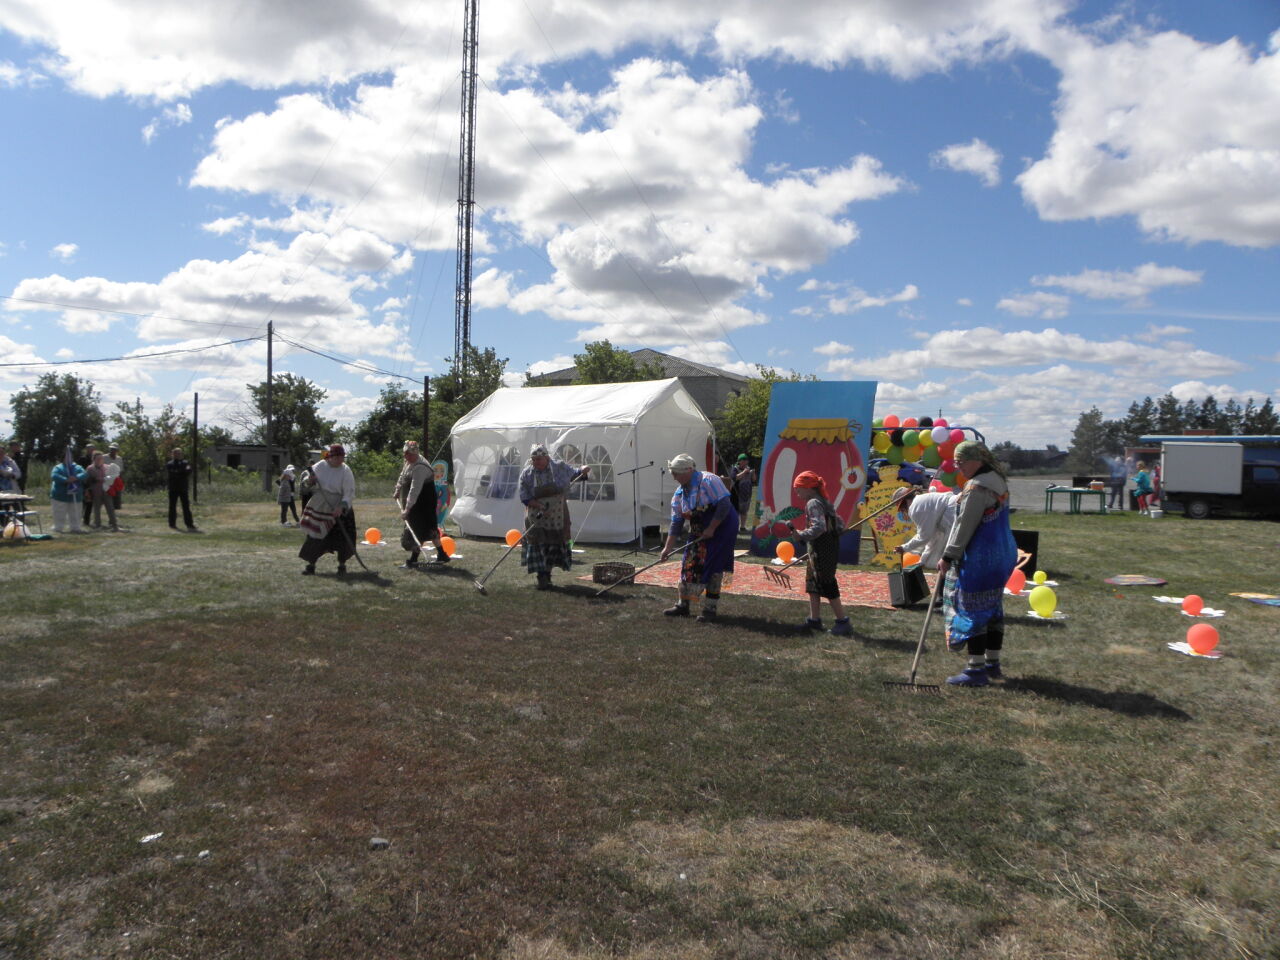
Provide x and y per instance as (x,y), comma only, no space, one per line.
(1209,474)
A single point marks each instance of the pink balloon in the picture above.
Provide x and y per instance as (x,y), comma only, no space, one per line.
(939,422)
(956,436)
(948,466)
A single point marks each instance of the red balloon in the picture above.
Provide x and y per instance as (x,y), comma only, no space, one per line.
(1017,580)
(1202,638)
(910,423)
(1192,604)
(891,421)
(948,465)
(939,422)
(947,451)
(957,436)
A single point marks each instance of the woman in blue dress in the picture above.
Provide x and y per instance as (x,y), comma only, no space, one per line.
(976,564)
(701,502)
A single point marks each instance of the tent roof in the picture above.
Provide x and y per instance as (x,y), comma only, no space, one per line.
(598,403)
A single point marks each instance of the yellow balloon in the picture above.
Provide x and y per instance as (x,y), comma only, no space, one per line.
(880,442)
(1043,601)
(1039,576)
(926,438)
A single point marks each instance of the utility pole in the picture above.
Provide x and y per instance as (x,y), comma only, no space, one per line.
(266,475)
(466,195)
(426,409)
(195,450)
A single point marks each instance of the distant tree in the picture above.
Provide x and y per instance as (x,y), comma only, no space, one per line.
(1263,421)
(1168,415)
(395,418)
(1190,413)
(1209,416)
(1088,442)
(741,424)
(296,425)
(450,400)
(602,362)
(1234,416)
(1140,422)
(59,410)
(146,442)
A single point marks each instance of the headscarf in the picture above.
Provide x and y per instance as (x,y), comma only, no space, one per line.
(337,450)
(539,450)
(410,445)
(973,450)
(289,469)
(681,461)
(811,480)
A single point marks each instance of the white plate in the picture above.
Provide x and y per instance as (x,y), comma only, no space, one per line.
(1183,647)
(1056,615)
(1205,612)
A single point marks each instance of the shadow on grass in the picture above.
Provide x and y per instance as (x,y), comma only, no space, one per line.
(898,644)
(1117,701)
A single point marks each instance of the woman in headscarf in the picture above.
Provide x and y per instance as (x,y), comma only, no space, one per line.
(822,533)
(701,501)
(976,563)
(543,485)
(284,496)
(328,518)
(416,495)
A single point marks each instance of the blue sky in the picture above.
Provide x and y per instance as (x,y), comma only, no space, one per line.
(1006,210)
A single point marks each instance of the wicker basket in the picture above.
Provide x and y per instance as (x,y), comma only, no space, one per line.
(613,571)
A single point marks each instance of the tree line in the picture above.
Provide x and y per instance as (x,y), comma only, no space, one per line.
(1096,438)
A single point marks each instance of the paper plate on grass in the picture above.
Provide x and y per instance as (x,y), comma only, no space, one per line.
(1135,580)
(1056,615)
(1205,612)
(1185,648)
(1020,593)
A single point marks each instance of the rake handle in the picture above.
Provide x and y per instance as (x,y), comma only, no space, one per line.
(933,599)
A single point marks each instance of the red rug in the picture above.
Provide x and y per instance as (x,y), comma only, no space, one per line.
(857,588)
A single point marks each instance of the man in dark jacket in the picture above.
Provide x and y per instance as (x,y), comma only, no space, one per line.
(179,472)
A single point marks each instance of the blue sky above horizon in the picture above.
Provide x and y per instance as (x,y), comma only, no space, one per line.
(1006,210)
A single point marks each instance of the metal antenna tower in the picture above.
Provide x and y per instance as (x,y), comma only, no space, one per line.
(466,194)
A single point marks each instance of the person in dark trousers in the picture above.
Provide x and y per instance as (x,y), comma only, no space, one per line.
(179,478)
(87,461)
(20,458)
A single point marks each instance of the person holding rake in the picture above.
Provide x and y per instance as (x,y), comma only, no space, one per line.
(978,559)
(543,485)
(702,501)
(822,533)
(416,494)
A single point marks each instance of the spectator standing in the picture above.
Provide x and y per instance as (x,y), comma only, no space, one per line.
(1119,476)
(1142,487)
(98,481)
(113,458)
(742,480)
(19,456)
(66,491)
(284,496)
(10,474)
(87,461)
(179,471)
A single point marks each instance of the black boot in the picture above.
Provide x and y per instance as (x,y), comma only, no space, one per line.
(309,570)
(544,581)
(681,609)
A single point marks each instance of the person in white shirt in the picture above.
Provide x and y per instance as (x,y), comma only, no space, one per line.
(328,519)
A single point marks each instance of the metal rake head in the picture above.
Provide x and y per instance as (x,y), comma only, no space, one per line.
(907,686)
(777,576)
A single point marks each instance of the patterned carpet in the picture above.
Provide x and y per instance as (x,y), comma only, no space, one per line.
(857,588)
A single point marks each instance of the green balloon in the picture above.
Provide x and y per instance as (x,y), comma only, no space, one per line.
(932,458)
(878,423)
(894,455)
(910,438)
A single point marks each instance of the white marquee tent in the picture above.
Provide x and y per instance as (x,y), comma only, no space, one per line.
(626,432)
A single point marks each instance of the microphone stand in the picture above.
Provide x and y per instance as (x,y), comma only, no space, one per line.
(635,504)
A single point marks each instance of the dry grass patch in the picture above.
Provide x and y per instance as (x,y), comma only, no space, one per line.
(527,948)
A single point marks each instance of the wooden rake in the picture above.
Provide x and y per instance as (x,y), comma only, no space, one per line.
(909,685)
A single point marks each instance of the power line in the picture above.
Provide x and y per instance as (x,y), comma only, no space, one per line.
(136,356)
(349,362)
(125,313)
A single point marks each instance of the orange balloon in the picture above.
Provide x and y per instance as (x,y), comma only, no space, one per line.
(1202,638)
(910,559)
(1192,604)
(1017,580)
(373,535)
(786,551)
(448,545)
(513,537)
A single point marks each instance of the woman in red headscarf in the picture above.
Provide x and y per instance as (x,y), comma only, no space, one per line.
(822,533)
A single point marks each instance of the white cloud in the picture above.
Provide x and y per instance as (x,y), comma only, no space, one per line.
(13,76)
(986,348)
(1133,285)
(1180,134)
(174,116)
(154,48)
(1154,334)
(225,225)
(964,302)
(64,251)
(975,157)
(559,362)
(1046,306)
(861,300)
(833,348)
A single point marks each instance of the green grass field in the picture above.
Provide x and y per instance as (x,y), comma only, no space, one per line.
(565,778)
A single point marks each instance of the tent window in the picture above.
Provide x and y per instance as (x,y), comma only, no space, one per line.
(505,479)
(601,485)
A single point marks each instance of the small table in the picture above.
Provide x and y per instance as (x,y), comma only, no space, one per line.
(1075,496)
(13,506)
